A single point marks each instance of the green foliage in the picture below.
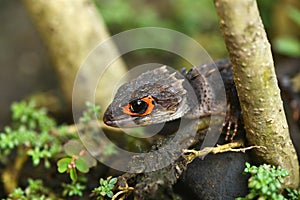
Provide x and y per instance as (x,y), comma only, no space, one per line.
(105,188)
(126,16)
(293,194)
(92,112)
(266,183)
(35,134)
(183,15)
(294,14)
(71,165)
(18,193)
(73,189)
(78,159)
(289,45)
(38,153)
(197,19)
(34,190)
(31,129)
(27,115)
(266,7)
(63,164)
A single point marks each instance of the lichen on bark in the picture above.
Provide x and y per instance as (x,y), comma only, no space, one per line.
(257,86)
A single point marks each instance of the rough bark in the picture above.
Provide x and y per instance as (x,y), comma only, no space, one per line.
(256,83)
(70,29)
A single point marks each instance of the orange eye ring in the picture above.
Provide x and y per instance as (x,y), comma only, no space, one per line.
(148,105)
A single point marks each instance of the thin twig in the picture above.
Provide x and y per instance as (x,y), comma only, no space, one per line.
(191,154)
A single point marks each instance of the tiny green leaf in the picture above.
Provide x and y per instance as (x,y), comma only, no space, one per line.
(73,174)
(110,194)
(81,165)
(101,181)
(288,46)
(62,164)
(113,181)
(73,147)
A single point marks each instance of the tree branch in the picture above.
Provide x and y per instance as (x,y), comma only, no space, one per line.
(256,83)
(70,30)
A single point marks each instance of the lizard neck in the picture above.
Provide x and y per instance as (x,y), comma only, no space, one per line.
(210,83)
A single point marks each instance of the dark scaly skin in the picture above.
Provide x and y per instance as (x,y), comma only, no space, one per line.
(160,182)
(233,111)
(173,97)
(164,86)
(173,100)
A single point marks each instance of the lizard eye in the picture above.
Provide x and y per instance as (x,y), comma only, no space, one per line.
(140,107)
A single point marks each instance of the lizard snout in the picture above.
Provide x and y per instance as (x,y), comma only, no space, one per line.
(107,118)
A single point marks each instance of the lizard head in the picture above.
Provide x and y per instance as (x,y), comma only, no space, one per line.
(155,96)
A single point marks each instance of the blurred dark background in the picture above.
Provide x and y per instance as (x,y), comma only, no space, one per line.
(26,68)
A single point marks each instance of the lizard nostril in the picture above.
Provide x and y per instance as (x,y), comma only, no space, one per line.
(107,118)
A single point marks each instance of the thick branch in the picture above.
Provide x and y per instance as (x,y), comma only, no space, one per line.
(70,29)
(256,83)
(10,175)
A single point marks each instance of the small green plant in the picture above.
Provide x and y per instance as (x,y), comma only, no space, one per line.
(78,159)
(71,165)
(266,182)
(293,194)
(105,188)
(31,130)
(34,190)
(33,134)
(73,189)
(90,113)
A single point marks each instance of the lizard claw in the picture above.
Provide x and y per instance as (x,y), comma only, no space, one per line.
(230,126)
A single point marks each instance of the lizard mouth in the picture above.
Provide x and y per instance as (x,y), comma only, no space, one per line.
(119,121)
